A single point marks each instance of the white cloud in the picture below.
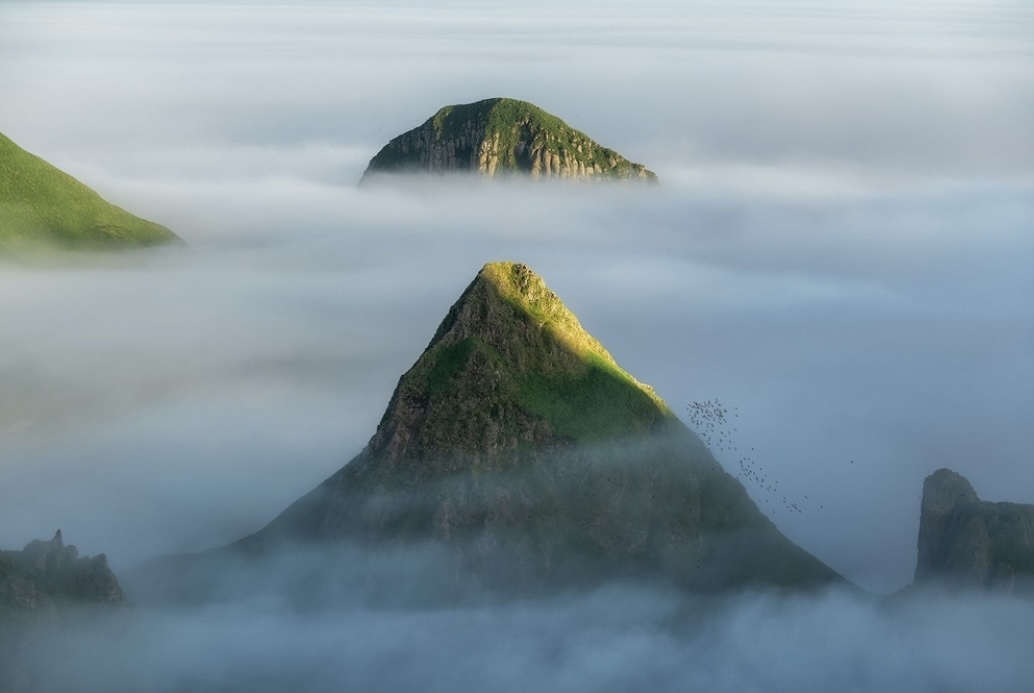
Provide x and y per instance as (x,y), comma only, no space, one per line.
(614,638)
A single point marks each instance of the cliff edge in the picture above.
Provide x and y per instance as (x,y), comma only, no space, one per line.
(966,542)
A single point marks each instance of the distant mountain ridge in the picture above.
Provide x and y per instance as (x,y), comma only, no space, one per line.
(502,136)
(517,440)
(41,205)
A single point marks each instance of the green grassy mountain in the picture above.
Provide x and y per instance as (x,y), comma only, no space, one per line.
(43,206)
(502,136)
(517,440)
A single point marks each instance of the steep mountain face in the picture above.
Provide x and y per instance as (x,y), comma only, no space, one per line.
(502,136)
(967,542)
(518,442)
(42,587)
(41,205)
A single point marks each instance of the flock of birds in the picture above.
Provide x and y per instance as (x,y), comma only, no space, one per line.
(711,421)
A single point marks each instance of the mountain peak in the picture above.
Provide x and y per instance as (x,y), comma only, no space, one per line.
(968,542)
(944,490)
(517,286)
(502,136)
(511,366)
(518,442)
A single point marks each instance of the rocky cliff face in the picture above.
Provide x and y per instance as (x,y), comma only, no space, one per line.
(43,587)
(46,576)
(970,543)
(502,136)
(518,442)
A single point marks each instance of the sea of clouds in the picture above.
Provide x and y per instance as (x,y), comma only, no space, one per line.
(617,637)
(840,249)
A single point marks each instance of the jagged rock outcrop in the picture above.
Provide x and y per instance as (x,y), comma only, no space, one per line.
(518,443)
(502,136)
(46,576)
(42,206)
(969,543)
(44,587)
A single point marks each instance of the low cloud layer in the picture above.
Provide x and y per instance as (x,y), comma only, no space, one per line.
(191,395)
(617,637)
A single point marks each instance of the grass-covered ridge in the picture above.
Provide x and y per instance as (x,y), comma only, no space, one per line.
(528,294)
(42,206)
(502,135)
(510,366)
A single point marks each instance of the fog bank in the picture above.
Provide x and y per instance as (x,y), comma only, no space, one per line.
(178,400)
(616,638)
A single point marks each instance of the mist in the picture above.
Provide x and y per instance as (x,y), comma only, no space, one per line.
(267,636)
(840,249)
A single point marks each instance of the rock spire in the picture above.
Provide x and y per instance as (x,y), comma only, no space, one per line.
(970,543)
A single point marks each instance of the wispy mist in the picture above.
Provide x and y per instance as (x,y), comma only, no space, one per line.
(618,637)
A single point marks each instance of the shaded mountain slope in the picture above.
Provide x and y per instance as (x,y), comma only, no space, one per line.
(41,205)
(516,440)
(502,136)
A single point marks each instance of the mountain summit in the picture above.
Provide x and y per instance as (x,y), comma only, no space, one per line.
(42,205)
(502,136)
(966,542)
(518,442)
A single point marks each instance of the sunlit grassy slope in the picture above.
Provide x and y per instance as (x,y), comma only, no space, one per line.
(510,343)
(42,206)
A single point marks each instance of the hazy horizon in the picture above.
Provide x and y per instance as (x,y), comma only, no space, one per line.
(840,247)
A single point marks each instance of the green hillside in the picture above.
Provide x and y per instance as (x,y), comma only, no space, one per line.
(518,441)
(42,206)
(510,342)
(503,136)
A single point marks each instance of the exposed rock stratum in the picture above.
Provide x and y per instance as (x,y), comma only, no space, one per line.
(970,543)
(501,136)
